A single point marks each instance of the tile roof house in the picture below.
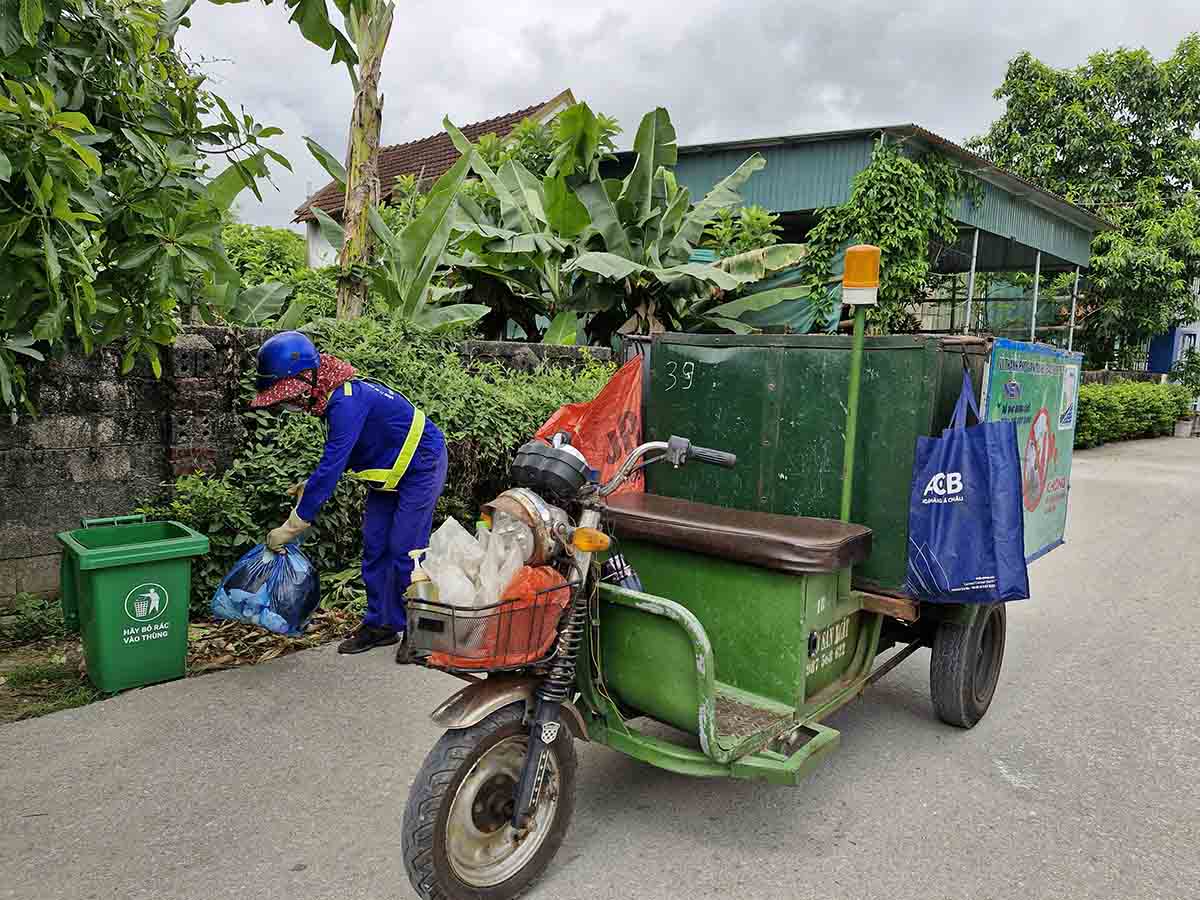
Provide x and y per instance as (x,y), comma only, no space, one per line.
(427,158)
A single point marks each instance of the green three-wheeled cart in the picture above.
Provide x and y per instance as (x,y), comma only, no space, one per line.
(738,604)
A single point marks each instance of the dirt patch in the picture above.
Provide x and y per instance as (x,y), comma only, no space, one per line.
(42,678)
(740,719)
(45,676)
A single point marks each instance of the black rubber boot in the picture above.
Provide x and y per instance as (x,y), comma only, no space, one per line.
(366,637)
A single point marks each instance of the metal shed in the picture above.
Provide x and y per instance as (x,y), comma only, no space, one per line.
(1018,227)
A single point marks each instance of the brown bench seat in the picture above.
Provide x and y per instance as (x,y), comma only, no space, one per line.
(797,545)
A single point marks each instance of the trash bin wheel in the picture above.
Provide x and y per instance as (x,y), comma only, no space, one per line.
(965,666)
(459,843)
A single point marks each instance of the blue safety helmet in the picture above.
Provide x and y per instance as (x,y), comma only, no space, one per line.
(285,355)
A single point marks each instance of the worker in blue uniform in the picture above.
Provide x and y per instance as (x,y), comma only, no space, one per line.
(377,436)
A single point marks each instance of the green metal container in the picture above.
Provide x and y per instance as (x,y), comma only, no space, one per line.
(125,586)
(779,403)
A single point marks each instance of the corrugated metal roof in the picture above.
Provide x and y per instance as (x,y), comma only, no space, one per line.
(977,164)
(813,171)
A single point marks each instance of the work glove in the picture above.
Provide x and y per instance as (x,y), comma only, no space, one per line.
(296,491)
(287,532)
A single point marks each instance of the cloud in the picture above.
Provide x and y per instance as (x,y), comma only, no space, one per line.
(725,70)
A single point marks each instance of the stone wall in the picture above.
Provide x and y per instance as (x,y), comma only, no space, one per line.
(102,442)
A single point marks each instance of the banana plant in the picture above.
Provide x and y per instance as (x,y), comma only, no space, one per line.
(408,261)
(573,243)
(368,24)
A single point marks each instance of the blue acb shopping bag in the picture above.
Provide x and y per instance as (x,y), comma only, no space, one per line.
(965,521)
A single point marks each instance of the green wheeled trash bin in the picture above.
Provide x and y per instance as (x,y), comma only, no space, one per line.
(125,586)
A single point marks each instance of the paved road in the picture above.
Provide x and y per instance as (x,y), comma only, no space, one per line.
(288,780)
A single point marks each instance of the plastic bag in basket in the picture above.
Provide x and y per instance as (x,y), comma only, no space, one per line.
(523,627)
(276,591)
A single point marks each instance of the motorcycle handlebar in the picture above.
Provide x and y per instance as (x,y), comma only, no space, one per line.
(712,457)
(676,451)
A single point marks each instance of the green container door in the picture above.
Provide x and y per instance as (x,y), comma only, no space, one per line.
(127,586)
(779,403)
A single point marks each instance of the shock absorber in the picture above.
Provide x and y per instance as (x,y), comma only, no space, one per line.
(555,689)
(559,683)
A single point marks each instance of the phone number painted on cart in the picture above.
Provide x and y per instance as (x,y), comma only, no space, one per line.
(830,645)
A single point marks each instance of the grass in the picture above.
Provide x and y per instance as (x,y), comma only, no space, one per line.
(40,686)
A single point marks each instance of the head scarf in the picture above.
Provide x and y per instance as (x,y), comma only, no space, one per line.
(332,373)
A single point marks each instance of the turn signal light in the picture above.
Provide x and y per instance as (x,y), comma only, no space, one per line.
(589,540)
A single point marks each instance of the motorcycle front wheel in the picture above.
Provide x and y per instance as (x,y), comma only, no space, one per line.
(459,843)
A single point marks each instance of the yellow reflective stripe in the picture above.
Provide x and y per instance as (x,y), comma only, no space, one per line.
(389,478)
(400,466)
(346,389)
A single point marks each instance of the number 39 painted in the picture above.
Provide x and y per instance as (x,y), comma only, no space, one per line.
(686,375)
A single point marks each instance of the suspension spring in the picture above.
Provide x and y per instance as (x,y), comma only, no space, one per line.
(559,683)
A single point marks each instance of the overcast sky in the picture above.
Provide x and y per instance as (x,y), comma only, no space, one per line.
(724,70)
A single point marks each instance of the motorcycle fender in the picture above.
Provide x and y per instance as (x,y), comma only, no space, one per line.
(477,701)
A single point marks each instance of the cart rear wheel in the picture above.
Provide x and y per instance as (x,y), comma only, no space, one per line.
(459,843)
(965,666)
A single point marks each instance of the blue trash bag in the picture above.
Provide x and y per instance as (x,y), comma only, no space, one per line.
(277,591)
(966,525)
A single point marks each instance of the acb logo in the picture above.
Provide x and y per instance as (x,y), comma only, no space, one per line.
(944,483)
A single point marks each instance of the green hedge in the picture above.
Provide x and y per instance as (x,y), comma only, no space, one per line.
(485,411)
(1126,410)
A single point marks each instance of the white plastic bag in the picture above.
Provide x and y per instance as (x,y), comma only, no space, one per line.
(509,545)
(453,544)
(473,572)
(453,585)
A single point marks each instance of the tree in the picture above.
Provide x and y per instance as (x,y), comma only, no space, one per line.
(901,203)
(369,23)
(110,225)
(1119,136)
(261,254)
(735,231)
(368,26)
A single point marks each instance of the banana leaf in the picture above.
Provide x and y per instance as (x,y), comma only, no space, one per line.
(563,330)
(423,242)
(597,199)
(514,214)
(439,318)
(655,147)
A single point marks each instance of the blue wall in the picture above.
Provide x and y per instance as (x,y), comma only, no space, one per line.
(1167,348)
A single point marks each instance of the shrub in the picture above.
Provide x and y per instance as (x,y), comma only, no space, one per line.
(317,290)
(32,618)
(1186,372)
(484,410)
(1126,410)
(736,231)
(262,254)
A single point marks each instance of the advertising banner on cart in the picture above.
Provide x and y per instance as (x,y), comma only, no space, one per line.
(1037,387)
